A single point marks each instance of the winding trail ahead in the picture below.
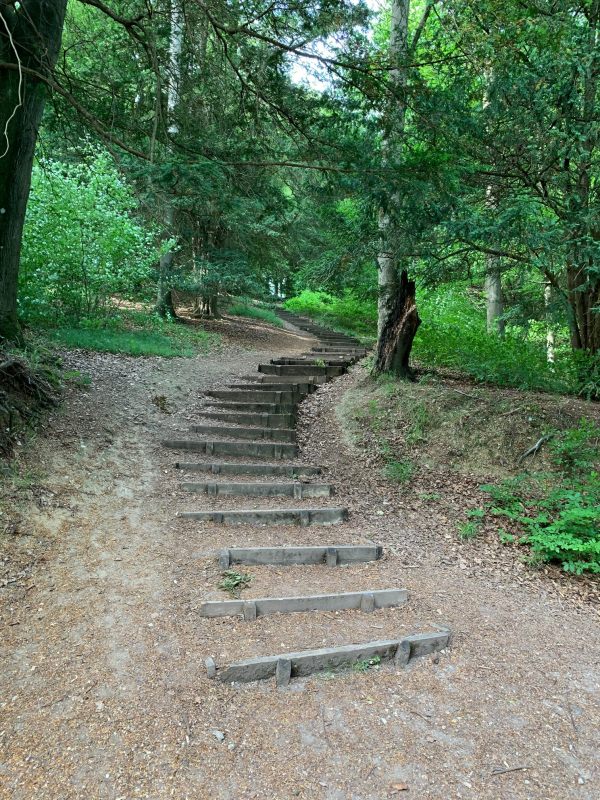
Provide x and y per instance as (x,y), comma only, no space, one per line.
(269,401)
(103,688)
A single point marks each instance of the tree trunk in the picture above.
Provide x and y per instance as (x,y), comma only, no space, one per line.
(164,300)
(164,303)
(583,283)
(207,306)
(584,300)
(494,303)
(34,41)
(550,356)
(397,335)
(386,260)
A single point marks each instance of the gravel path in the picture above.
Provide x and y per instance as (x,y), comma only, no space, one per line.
(104,693)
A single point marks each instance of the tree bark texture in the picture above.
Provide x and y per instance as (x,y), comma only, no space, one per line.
(397,335)
(164,302)
(493,293)
(30,37)
(394,128)
(583,281)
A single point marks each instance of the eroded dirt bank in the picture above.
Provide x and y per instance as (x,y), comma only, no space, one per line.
(104,693)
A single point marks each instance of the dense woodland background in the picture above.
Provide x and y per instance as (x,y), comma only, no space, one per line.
(425,171)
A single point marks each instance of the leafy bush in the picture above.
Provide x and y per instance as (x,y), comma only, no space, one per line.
(81,242)
(559,522)
(453,334)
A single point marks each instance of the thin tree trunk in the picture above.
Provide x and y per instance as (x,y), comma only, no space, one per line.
(583,283)
(164,302)
(493,279)
(30,36)
(494,302)
(549,329)
(386,260)
(398,319)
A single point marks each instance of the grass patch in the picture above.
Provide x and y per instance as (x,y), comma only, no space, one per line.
(399,471)
(470,528)
(242,309)
(365,664)
(136,333)
(133,343)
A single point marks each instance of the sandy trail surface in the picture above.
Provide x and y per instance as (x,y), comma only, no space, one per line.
(103,689)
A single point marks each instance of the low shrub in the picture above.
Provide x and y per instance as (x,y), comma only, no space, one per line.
(82,242)
(559,520)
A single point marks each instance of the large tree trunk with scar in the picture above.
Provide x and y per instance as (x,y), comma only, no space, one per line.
(397,335)
(30,37)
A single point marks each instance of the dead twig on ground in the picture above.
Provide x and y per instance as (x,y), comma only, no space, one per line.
(536,447)
(503,770)
(470,396)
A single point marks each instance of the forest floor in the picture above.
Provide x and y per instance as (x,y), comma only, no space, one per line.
(103,691)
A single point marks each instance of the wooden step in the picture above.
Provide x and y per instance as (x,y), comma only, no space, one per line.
(253,396)
(341,601)
(301,369)
(255,434)
(329,555)
(256,449)
(271,516)
(260,420)
(223,468)
(258,408)
(297,490)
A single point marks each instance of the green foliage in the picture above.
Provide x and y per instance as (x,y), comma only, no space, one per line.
(77,378)
(234,582)
(417,431)
(365,664)
(241,308)
(453,334)
(470,529)
(575,451)
(133,343)
(399,471)
(560,522)
(137,334)
(347,313)
(81,244)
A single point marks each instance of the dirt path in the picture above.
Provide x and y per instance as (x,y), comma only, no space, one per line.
(104,693)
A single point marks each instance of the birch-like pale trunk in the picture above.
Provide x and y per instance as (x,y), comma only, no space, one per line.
(386,261)
(550,357)
(493,273)
(164,304)
(493,296)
